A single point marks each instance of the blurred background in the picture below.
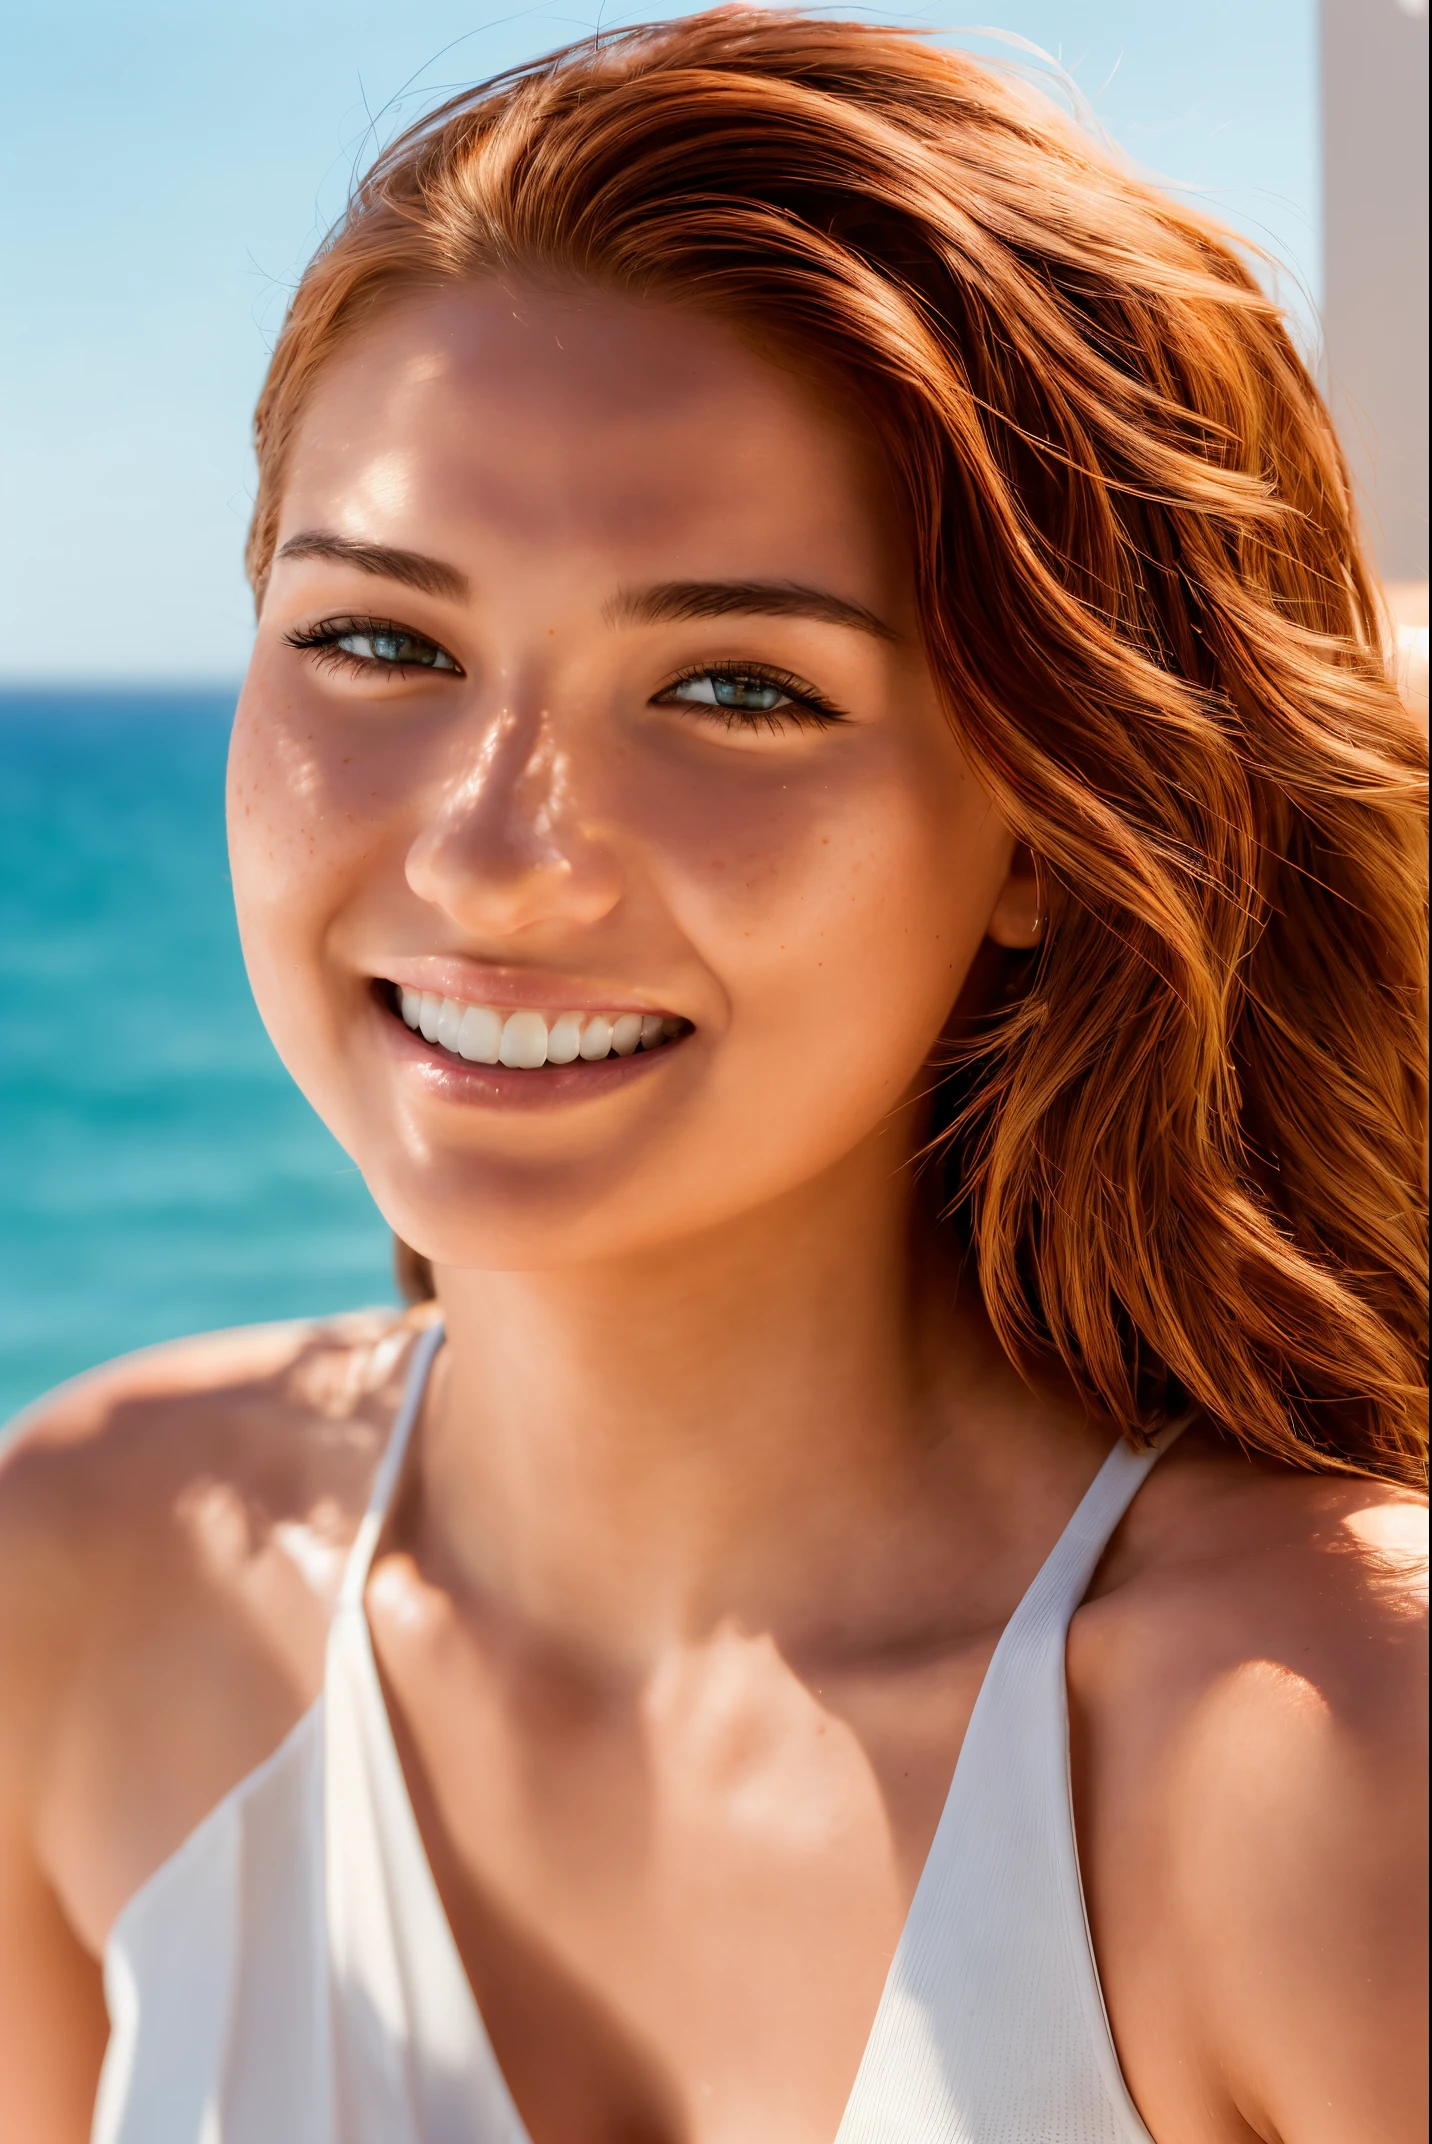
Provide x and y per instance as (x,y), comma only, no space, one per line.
(168,166)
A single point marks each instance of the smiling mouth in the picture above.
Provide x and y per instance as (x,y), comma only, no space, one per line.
(525,1040)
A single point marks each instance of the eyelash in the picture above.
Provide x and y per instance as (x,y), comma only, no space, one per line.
(321,641)
(808,708)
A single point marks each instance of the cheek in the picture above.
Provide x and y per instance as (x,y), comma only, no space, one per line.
(310,798)
(307,823)
(843,900)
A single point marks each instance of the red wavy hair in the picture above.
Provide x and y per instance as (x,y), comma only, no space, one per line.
(1190,1147)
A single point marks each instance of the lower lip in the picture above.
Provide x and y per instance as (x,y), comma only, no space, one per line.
(454,1079)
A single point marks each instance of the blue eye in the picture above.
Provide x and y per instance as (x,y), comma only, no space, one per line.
(368,645)
(391,646)
(740,695)
(729,688)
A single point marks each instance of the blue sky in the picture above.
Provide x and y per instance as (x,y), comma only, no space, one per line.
(168,165)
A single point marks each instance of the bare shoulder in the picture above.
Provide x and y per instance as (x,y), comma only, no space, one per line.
(281,1418)
(172,1528)
(1226,1565)
(1248,1697)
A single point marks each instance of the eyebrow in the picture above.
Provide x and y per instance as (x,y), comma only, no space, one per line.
(413,568)
(671,602)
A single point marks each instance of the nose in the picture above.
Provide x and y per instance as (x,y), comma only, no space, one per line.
(511,844)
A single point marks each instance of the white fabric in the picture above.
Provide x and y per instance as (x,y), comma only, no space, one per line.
(289,1977)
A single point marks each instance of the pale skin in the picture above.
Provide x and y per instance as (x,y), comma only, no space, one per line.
(722,1490)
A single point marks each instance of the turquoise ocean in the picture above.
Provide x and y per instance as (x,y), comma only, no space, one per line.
(159,1171)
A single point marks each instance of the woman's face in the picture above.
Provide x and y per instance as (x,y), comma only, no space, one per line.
(588,703)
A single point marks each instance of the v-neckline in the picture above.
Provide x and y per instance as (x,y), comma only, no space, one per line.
(440,1933)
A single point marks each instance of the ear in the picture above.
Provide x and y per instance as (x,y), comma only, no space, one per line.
(1021,913)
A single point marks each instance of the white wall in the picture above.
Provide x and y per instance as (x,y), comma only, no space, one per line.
(1374,73)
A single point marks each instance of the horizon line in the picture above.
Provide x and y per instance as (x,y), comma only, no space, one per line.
(99,683)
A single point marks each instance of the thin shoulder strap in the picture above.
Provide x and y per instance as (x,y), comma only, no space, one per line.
(992,2019)
(390,1466)
(1072,1562)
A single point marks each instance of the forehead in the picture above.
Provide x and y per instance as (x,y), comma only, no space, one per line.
(483,414)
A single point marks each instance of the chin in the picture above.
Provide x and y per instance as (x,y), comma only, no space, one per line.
(493,1218)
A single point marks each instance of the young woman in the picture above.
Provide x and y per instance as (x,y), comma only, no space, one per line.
(818,805)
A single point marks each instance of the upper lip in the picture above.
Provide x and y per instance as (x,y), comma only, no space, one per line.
(476,982)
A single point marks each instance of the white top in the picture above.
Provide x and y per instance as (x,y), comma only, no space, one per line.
(288,1976)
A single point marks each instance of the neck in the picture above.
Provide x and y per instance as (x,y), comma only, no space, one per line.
(782,1422)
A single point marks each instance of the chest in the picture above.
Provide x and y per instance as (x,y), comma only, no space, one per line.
(692,1888)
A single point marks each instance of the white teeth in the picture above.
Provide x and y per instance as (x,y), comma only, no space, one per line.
(596,1039)
(564,1038)
(450,1024)
(480,1035)
(524,1040)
